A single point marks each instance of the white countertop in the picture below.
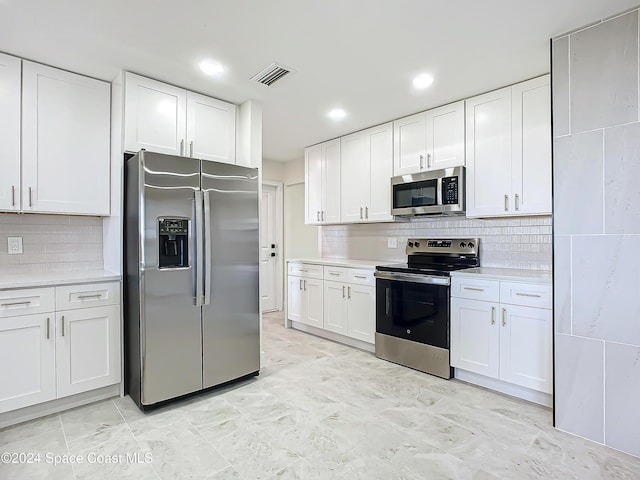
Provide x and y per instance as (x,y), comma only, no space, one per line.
(27,280)
(508,274)
(341,262)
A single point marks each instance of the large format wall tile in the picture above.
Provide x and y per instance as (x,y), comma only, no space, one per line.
(606,287)
(578,183)
(560,78)
(579,375)
(622,397)
(562,282)
(604,74)
(621,174)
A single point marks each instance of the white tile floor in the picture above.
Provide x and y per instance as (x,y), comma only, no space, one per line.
(318,410)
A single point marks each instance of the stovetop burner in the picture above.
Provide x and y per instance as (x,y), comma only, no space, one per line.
(437,256)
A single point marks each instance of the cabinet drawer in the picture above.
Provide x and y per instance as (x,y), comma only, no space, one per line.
(27,301)
(337,274)
(361,277)
(309,270)
(476,289)
(90,295)
(527,294)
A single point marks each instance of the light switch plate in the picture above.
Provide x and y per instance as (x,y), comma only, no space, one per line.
(392,242)
(14,245)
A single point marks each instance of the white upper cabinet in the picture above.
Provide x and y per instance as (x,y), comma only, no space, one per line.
(366,170)
(9,133)
(531,146)
(65,142)
(211,129)
(410,144)
(445,136)
(166,119)
(429,140)
(509,151)
(322,183)
(154,116)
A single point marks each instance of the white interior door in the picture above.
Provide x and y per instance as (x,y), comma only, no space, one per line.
(269,250)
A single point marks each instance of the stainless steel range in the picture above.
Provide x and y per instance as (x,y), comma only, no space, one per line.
(412,303)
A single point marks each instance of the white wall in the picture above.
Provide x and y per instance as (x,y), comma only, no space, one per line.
(273,171)
(596,207)
(300,240)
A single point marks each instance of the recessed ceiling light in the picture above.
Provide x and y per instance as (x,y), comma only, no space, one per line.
(337,114)
(211,68)
(422,81)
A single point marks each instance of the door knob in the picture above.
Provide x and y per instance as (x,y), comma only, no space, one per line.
(273,254)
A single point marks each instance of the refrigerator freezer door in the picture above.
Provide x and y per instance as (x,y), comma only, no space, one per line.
(230,315)
(171,341)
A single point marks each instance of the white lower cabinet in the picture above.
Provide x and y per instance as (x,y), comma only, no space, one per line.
(47,354)
(502,330)
(342,302)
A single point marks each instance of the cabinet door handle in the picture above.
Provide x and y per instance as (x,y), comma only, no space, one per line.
(506,203)
(348,292)
(323,215)
(360,213)
(504,317)
(305,284)
(182,147)
(342,291)
(13,196)
(63,325)
(191,148)
(533,295)
(360,276)
(366,212)
(95,295)
(334,274)
(48,328)
(304,270)
(428,160)
(421,162)
(27,302)
(300,287)
(517,202)
(493,315)
(474,289)
(318,215)
(30,197)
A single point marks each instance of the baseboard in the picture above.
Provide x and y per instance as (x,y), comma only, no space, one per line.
(58,405)
(336,337)
(525,393)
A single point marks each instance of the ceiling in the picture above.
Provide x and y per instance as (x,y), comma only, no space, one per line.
(360,55)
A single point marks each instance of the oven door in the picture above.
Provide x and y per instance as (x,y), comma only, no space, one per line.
(410,309)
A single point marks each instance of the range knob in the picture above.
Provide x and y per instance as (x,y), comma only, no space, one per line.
(471,245)
(417,244)
(410,244)
(462,244)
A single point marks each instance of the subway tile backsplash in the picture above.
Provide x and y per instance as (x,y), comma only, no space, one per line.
(51,243)
(523,242)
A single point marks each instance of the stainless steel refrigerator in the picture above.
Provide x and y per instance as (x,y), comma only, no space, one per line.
(191,276)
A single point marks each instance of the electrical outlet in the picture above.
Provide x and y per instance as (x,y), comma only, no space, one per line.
(15,245)
(392,242)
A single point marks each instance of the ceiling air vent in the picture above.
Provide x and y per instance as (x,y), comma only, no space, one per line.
(270,75)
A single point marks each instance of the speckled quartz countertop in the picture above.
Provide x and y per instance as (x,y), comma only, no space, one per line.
(341,262)
(28,280)
(506,274)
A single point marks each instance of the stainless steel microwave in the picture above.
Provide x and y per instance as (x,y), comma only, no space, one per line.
(437,192)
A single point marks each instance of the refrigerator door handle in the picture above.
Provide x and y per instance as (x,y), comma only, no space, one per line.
(199,247)
(208,248)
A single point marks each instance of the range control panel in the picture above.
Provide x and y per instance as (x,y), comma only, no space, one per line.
(449,245)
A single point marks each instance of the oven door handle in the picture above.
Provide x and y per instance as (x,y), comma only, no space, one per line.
(413,278)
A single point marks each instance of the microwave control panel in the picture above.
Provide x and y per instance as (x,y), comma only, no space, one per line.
(450,191)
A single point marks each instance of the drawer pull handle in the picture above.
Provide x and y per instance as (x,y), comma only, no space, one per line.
(334,274)
(28,302)
(360,276)
(493,315)
(474,289)
(303,270)
(95,295)
(533,295)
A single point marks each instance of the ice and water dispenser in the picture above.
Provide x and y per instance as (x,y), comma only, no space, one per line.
(173,238)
